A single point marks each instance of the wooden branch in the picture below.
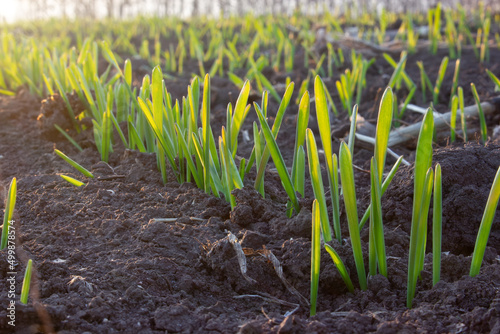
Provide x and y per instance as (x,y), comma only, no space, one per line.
(402,135)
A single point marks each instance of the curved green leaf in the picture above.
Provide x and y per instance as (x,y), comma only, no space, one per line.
(278,159)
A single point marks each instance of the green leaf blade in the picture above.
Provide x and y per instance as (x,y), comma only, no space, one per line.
(347,178)
(485,227)
(9,212)
(437,219)
(423,160)
(317,183)
(383,130)
(340,266)
(71,180)
(315,255)
(278,160)
(376,218)
(73,163)
(26,283)
(324,126)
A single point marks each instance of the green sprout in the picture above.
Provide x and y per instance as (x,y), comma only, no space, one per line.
(315,255)
(71,180)
(323,118)
(421,195)
(298,166)
(462,112)
(482,120)
(437,217)
(26,283)
(485,227)
(340,267)
(495,80)
(434,16)
(74,164)
(347,177)
(9,212)
(278,159)
(439,80)
(453,118)
(317,183)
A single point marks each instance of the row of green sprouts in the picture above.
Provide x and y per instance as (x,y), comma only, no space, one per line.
(194,155)
(40,64)
(111,98)
(219,50)
(155,123)
(427,185)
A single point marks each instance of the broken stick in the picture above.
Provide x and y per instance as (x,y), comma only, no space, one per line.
(408,133)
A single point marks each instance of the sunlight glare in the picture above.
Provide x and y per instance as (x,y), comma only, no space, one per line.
(8,10)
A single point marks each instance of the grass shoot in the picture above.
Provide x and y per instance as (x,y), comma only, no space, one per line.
(317,183)
(278,159)
(71,180)
(482,119)
(324,126)
(348,187)
(485,227)
(26,283)
(9,212)
(437,218)
(421,196)
(315,254)
(74,164)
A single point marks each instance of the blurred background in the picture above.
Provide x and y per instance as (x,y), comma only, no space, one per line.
(14,10)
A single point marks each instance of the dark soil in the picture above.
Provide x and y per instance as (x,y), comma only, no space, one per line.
(125,253)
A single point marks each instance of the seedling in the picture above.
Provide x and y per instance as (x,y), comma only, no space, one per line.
(9,212)
(399,72)
(340,266)
(298,167)
(347,177)
(434,16)
(455,78)
(315,255)
(425,82)
(385,185)
(74,164)
(454,44)
(317,183)
(485,227)
(377,244)
(412,35)
(278,159)
(352,129)
(482,120)
(26,283)
(266,154)
(376,233)
(323,118)
(495,80)
(437,217)
(421,198)
(453,118)
(484,54)
(439,80)
(71,180)
(462,114)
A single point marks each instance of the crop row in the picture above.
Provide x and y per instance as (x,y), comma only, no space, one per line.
(180,134)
